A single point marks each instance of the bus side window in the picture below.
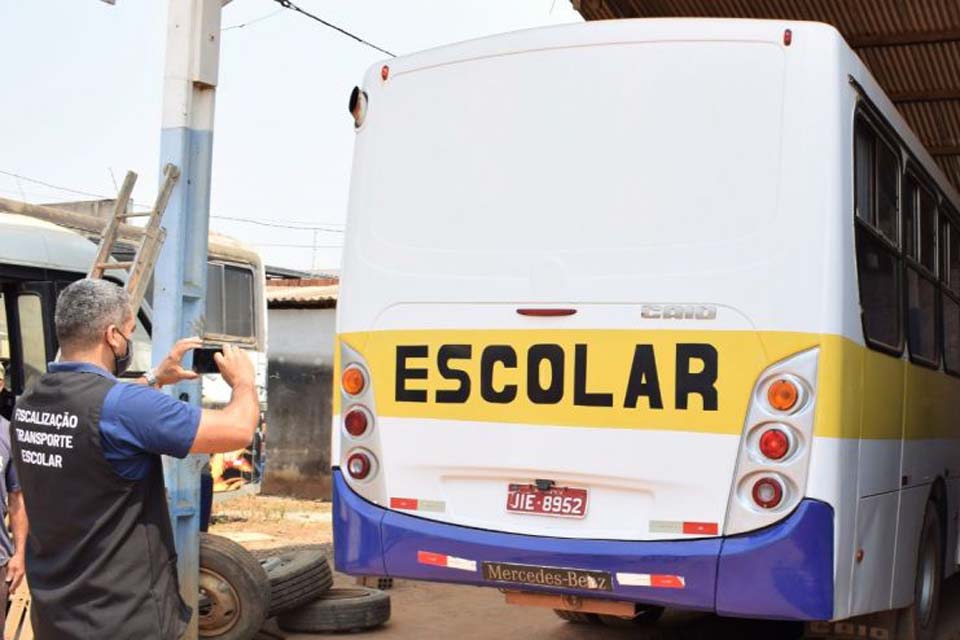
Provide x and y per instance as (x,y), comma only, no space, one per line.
(921,274)
(950,244)
(876,193)
(230,301)
(4,348)
(238,299)
(32,337)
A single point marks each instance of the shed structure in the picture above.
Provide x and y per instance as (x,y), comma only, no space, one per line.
(912,47)
(302,333)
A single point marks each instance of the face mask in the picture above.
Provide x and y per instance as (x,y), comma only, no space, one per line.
(122,363)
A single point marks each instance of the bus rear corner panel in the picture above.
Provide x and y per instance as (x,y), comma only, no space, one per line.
(783,572)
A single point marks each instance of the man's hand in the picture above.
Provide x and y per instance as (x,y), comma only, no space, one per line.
(235,367)
(171,370)
(16,568)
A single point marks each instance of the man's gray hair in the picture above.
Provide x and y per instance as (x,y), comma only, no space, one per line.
(86,308)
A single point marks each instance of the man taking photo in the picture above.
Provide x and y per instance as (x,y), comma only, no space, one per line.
(101,561)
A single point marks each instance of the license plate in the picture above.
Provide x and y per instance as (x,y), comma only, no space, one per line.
(547,576)
(563,502)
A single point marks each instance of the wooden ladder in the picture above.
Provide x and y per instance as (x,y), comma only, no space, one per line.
(18,625)
(141,267)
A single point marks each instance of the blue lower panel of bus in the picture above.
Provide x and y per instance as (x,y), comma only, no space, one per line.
(784,571)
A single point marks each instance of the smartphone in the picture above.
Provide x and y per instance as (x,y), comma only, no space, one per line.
(203,361)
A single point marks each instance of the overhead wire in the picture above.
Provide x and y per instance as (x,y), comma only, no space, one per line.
(254,21)
(297,246)
(300,226)
(17,176)
(287,4)
(326,227)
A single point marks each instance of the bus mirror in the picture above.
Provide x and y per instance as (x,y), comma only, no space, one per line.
(358,106)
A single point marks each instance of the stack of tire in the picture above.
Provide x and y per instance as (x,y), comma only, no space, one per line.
(238,593)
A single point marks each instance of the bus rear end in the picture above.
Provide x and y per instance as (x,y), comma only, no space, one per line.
(570,363)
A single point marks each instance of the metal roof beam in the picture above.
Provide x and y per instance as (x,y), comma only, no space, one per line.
(926,95)
(904,39)
(944,150)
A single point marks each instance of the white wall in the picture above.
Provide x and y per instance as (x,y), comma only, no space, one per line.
(304,336)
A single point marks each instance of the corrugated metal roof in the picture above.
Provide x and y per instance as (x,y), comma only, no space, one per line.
(911,47)
(302,294)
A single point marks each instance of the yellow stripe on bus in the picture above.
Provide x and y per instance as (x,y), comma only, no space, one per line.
(860,393)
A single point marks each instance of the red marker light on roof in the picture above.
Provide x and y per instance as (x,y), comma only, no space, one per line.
(384,72)
(546,313)
(787,37)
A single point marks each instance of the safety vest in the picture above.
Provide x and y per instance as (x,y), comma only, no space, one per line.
(101,561)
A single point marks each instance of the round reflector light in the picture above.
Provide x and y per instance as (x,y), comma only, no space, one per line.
(353,380)
(356,422)
(774,444)
(783,394)
(358,466)
(767,493)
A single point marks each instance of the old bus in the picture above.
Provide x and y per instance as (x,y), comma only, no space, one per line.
(650,313)
(38,259)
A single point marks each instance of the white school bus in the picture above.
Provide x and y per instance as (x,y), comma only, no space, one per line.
(651,313)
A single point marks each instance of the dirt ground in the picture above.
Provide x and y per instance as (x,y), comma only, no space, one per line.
(438,611)
(261,523)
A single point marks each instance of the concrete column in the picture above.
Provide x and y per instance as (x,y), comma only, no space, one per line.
(180,278)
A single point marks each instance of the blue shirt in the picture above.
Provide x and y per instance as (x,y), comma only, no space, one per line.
(138,421)
(8,485)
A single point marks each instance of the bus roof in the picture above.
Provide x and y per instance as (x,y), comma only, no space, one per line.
(27,241)
(749,25)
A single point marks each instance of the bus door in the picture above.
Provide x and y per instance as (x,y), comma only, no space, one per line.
(27,336)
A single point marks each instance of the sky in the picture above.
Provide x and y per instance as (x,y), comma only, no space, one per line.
(83,93)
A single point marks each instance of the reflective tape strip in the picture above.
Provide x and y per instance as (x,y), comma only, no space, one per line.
(413,504)
(441,560)
(685,528)
(657,581)
(701,528)
(665,526)
(409,504)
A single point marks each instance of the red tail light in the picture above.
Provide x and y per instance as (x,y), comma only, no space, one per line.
(774,444)
(356,422)
(359,466)
(767,493)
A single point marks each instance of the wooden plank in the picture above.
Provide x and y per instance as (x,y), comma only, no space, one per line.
(18,625)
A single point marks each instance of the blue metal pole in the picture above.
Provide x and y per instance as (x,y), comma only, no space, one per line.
(180,277)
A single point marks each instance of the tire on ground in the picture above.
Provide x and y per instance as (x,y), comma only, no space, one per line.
(919,620)
(234,589)
(340,609)
(577,617)
(296,578)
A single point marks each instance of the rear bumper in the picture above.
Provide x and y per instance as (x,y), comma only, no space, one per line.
(784,571)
